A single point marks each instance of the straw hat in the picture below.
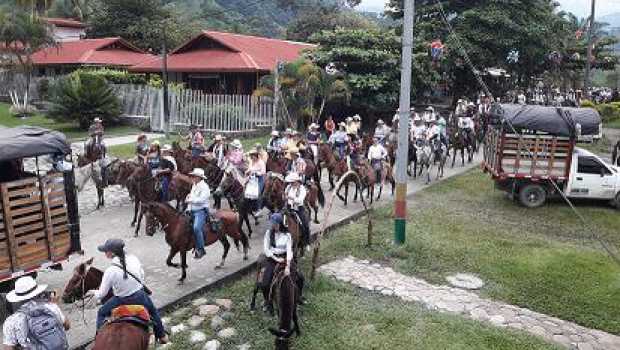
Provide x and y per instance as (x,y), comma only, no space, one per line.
(236,144)
(275,133)
(26,288)
(293,150)
(292,177)
(97,120)
(198,173)
(314,126)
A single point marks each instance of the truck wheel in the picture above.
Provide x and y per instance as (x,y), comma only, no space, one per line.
(532,196)
(617,201)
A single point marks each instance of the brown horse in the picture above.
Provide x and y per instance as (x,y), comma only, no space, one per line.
(287,295)
(179,234)
(369,178)
(113,335)
(180,186)
(273,192)
(277,163)
(336,169)
(233,190)
(143,186)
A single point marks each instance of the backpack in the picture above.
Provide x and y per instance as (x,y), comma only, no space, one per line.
(45,331)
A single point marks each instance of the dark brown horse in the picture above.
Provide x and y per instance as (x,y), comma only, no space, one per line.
(277,163)
(233,190)
(273,192)
(459,141)
(114,335)
(143,185)
(287,294)
(180,238)
(336,169)
(180,186)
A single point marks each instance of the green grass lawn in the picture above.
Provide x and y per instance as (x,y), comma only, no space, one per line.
(71,130)
(601,147)
(534,258)
(128,150)
(341,317)
(614,124)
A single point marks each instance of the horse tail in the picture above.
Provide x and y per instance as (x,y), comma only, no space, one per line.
(321,195)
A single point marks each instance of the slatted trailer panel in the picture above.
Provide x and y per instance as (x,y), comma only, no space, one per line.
(34,228)
(528,155)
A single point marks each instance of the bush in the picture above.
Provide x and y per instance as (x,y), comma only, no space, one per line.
(609,112)
(587,104)
(114,76)
(82,96)
(22,111)
(44,88)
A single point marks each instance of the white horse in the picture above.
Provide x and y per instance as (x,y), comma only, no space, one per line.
(440,155)
(93,171)
(424,154)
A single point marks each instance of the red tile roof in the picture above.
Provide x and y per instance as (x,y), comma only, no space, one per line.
(226,52)
(105,52)
(65,22)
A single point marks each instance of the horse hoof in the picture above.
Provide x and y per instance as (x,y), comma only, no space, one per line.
(316,222)
(133,224)
(245,257)
(219,267)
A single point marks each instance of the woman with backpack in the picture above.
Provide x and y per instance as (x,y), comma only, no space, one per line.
(38,322)
(125,278)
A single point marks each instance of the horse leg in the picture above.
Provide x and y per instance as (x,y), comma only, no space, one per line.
(463,156)
(453,157)
(296,321)
(100,197)
(139,221)
(226,245)
(246,218)
(316,213)
(330,177)
(255,291)
(183,267)
(171,256)
(135,212)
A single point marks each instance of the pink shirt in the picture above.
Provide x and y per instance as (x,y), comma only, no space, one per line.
(236,157)
(258,167)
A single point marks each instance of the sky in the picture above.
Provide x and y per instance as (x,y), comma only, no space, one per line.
(579,7)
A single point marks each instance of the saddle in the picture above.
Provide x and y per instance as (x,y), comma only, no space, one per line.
(214,223)
(135,314)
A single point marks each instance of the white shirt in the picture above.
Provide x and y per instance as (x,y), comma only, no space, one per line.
(198,198)
(377,152)
(113,277)
(418,131)
(432,131)
(466,123)
(15,329)
(295,197)
(283,244)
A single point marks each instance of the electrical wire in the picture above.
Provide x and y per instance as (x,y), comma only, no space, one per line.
(594,236)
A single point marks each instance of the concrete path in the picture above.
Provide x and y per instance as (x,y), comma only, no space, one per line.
(113,222)
(118,140)
(386,281)
(612,134)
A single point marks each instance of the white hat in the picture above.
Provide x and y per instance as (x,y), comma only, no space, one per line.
(218,137)
(26,288)
(471,104)
(396,117)
(97,120)
(349,119)
(380,121)
(292,177)
(430,108)
(236,143)
(275,133)
(288,131)
(357,117)
(417,118)
(314,126)
(460,100)
(198,172)
(342,124)
(167,148)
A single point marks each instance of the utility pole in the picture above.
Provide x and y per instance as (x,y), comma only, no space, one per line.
(165,88)
(586,81)
(400,204)
(276,95)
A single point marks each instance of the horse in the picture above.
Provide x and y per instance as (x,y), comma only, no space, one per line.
(179,236)
(143,185)
(91,171)
(288,296)
(93,151)
(425,154)
(276,163)
(231,188)
(180,186)
(335,168)
(368,179)
(113,335)
(459,140)
(440,155)
(615,154)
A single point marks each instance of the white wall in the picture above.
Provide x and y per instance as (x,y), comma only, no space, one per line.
(64,34)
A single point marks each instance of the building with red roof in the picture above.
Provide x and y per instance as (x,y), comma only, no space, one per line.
(105,52)
(224,63)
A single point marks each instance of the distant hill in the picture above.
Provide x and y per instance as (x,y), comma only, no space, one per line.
(612,19)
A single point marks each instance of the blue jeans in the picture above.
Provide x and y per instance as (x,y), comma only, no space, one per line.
(137,298)
(341,149)
(196,152)
(165,184)
(200,217)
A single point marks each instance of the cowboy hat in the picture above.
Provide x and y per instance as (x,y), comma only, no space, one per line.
(349,119)
(430,108)
(26,288)
(460,100)
(342,124)
(236,143)
(166,148)
(275,133)
(218,137)
(97,120)
(357,117)
(198,173)
(258,145)
(314,126)
(288,131)
(292,177)
(380,121)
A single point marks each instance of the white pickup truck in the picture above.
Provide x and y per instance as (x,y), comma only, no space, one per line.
(527,166)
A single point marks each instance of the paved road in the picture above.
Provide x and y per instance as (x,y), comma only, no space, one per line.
(113,222)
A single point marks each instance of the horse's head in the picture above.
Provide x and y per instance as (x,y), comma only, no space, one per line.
(139,172)
(85,277)
(228,180)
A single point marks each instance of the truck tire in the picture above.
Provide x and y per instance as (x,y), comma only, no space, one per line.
(532,195)
(617,201)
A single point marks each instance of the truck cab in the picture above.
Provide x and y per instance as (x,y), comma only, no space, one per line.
(592,178)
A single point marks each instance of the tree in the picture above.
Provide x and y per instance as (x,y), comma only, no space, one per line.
(23,34)
(314,21)
(139,21)
(305,89)
(81,97)
(79,9)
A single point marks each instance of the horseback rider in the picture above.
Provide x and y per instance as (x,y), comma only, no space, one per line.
(275,142)
(466,125)
(278,249)
(429,114)
(257,168)
(153,158)
(314,136)
(376,155)
(339,140)
(218,149)
(351,128)
(418,131)
(330,126)
(96,146)
(297,164)
(167,165)
(381,131)
(262,154)
(125,278)
(142,148)
(96,131)
(236,156)
(442,124)
(295,195)
(461,108)
(196,141)
(198,201)
(357,123)
(355,148)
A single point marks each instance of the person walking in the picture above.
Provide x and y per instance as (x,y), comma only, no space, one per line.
(38,322)
(125,278)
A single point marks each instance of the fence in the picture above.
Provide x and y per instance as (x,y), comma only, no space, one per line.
(16,82)
(213,113)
